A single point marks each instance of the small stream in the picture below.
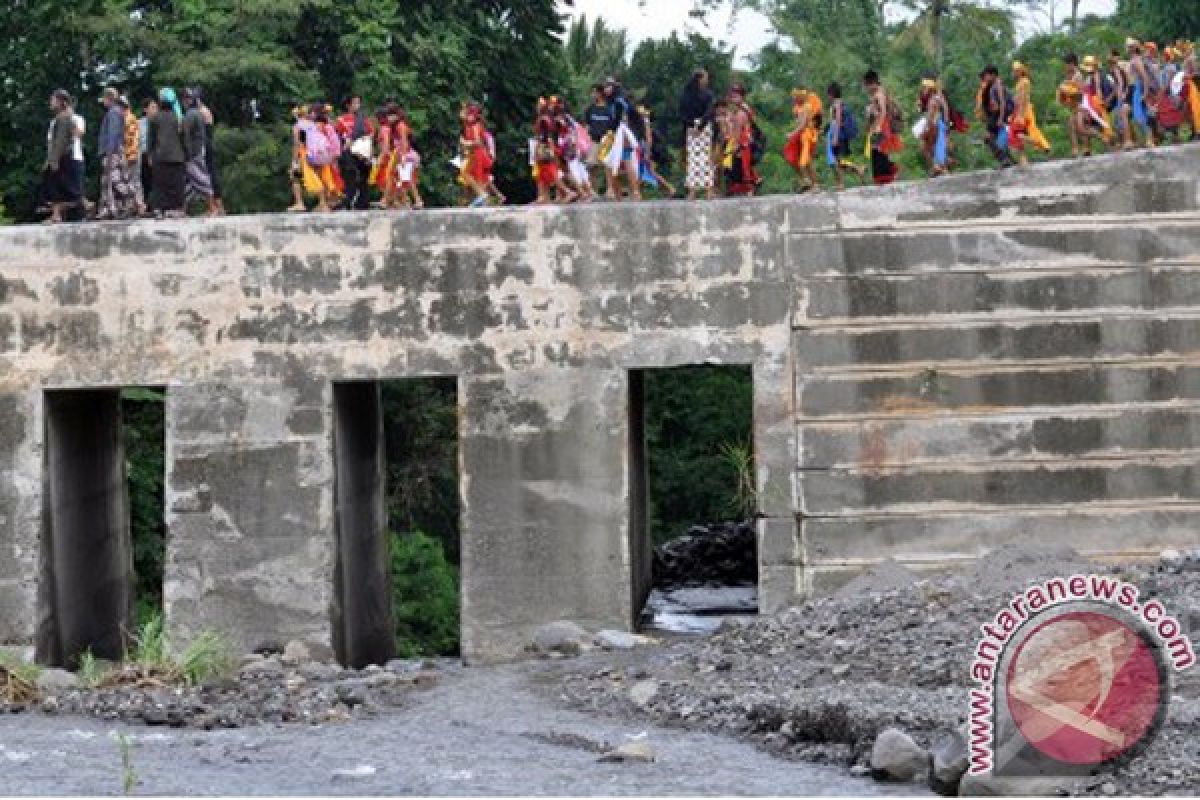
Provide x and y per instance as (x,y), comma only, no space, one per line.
(698,610)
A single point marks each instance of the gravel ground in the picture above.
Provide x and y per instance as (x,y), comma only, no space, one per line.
(817,683)
(485,731)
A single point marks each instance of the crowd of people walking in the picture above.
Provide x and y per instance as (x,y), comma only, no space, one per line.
(162,162)
(159,162)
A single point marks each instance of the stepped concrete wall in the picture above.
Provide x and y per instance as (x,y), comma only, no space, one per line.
(939,369)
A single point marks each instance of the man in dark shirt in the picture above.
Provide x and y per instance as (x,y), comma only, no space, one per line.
(115,193)
(358,132)
(995,109)
(598,120)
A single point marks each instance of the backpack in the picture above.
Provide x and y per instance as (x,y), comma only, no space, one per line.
(849,131)
(316,145)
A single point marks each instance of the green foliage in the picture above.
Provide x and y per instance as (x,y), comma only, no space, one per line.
(660,68)
(743,497)
(90,673)
(129,776)
(150,647)
(421,431)
(18,668)
(424,597)
(694,416)
(1164,20)
(592,53)
(206,657)
(143,418)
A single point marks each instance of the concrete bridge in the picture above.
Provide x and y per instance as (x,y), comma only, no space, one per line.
(938,369)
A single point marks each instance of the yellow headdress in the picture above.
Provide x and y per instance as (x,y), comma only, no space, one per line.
(1019,69)
(1089,64)
(929,85)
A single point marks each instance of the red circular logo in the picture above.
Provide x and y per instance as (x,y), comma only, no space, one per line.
(1084,688)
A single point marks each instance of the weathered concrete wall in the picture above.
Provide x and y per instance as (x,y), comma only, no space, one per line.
(937,369)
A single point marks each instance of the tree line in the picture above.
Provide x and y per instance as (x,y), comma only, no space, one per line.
(256,59)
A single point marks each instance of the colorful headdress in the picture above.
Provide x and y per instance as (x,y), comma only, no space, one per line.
(1089,64)
(167,97)
(929,85)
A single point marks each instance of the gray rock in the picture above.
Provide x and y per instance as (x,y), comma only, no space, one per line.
(296,652)
(636,751)
(318,673)
(642,693)
(950,762)
(54,680)
(266,668)
(616,640)
(563,637)
(896,757)
(352,692)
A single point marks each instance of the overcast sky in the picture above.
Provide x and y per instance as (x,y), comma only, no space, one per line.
(657,18)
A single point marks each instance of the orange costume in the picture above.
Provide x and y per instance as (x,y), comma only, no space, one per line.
(1191,82)
(801,146)
(1024,126)
(385,172)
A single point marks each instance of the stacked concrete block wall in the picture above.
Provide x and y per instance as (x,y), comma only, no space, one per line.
(924,359)
(999,359)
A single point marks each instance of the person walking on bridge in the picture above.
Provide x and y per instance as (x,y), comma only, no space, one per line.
(117,200)
(195,136)
(165,150)
(883,120)
(696,111)
(58,183)
(357,130)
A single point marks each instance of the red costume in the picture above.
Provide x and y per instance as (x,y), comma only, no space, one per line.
(479,157)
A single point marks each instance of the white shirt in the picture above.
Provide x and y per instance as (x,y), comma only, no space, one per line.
(77,145)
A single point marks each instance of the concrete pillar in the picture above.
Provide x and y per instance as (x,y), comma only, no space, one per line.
(21,473)
(545,531)
(364,632)
(249,492)
(87,557)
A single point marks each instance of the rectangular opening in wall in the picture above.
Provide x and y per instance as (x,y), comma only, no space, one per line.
(396,456)
(103,533)
(692,496)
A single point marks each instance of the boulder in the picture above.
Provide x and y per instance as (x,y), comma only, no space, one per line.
(295,653)
(620,640)
(949,763)
(897,757)
(563,637)
(642,693)
(54,680)
(635,751)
